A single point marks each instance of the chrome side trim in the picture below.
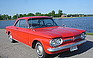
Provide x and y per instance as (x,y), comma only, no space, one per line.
(65,47)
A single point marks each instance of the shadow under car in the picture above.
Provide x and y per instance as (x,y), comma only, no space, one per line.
(81,49)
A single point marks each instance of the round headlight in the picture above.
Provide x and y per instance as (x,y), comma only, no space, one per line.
(83,35)
(56,42)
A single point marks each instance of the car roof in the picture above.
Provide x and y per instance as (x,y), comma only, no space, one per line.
(33,17)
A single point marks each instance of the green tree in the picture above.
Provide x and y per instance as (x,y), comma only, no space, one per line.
(50,14)
(60,13)
(24,15)
(1,17)
(53,13)
(56,15)
(5,17)
(15,17)
(9,17)
(20,15)
(46,15)
(30,14)
(37,14)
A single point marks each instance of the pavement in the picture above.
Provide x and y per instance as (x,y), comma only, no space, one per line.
(20,50)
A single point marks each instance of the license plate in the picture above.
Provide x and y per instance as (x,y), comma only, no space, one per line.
(73,48)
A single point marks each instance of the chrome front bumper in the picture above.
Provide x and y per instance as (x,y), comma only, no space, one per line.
(65,47)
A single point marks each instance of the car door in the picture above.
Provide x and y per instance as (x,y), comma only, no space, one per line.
(21,31)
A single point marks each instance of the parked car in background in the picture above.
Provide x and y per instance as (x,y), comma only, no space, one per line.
(44,35)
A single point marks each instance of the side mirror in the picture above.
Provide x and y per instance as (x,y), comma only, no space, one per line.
(32,29)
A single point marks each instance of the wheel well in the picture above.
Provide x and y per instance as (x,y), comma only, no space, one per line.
(34,43)
(8,32)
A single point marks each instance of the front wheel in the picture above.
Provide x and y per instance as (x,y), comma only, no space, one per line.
(11,39)
(40,50)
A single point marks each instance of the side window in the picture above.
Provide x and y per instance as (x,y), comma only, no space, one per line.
(22,23)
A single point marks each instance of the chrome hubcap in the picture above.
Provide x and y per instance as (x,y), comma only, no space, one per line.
(39,50)
(10,37)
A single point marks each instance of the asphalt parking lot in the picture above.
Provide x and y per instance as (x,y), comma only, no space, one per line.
(20,50)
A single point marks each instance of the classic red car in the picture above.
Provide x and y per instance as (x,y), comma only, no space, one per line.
(44,35)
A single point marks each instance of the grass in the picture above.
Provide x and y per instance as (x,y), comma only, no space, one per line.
(89,33)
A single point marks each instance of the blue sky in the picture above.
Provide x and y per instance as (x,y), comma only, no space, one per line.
(12,7)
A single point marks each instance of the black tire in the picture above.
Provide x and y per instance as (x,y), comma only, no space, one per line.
(11,39)
(40,50)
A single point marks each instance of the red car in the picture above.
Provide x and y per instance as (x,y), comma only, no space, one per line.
(44,35)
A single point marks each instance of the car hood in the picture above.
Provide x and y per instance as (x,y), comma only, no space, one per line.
(59,31)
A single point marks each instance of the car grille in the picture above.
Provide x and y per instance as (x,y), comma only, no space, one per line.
(72,38)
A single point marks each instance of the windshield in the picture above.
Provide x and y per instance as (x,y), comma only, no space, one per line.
(39,23)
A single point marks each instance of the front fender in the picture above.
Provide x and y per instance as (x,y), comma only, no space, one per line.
(44,41)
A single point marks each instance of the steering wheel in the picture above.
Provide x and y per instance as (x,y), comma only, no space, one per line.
(48,24)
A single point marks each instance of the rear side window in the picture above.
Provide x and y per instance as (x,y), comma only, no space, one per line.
(22,23)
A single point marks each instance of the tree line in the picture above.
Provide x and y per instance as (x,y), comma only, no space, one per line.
(52,13)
